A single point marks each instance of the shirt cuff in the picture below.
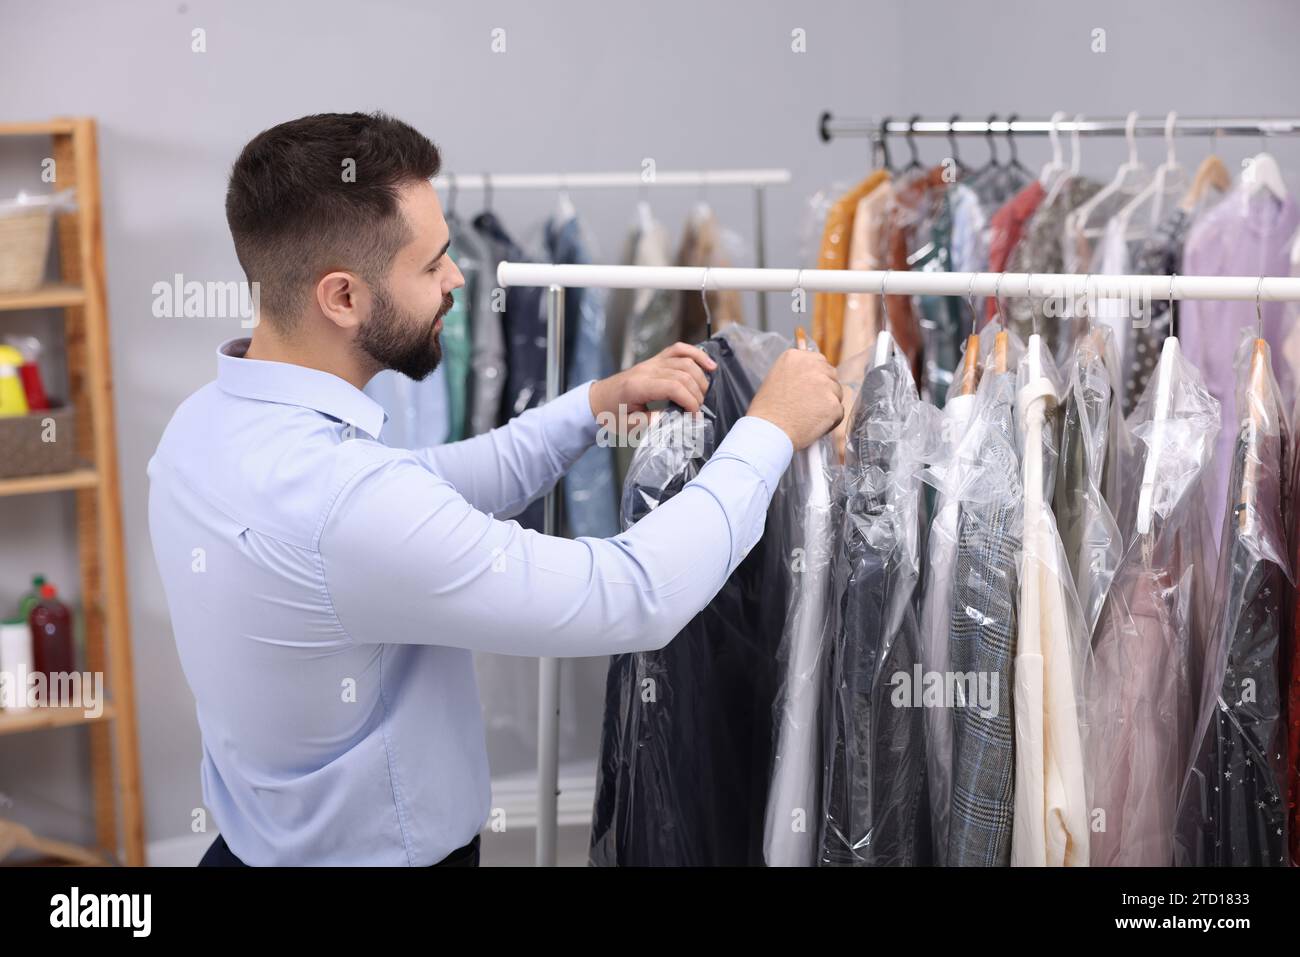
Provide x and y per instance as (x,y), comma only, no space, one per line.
(761,444)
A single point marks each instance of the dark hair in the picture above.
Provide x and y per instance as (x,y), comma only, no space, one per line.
(297,208)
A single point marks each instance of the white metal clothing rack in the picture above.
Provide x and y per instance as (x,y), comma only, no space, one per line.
(1004,285)
(829,127)
(757,179)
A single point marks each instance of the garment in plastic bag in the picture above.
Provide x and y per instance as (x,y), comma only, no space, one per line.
(1088,415)
(969,617)
(1050,827)
(875,807)
(1143,680)
(794,798)
(1233,806)
(949,473)
(590,502)
(686,750)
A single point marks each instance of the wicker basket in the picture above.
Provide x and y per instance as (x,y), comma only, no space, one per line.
(24,451)
(24,247)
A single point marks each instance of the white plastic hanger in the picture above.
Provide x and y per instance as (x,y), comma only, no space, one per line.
(1170,180)
(1056,166)
(1165,373)
(1073,171)
(1262,172)
(884,341)
(1131,177)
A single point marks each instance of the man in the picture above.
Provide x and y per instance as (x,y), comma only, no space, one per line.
(326,591)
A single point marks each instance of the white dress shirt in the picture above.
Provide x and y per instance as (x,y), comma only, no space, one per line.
(326,592)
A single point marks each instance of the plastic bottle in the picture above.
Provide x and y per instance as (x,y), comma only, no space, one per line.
(31,598)
(51,625)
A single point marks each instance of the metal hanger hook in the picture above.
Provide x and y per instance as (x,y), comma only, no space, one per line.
(997,299)
(911,142)
(704,298)
(970,301)
(952,140)
(1173,316)
(1011,141)
(1130,137)
(1029,294)
(1259,312)
(884,300)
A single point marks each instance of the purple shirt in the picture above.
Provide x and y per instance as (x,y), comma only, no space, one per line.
(1242,236)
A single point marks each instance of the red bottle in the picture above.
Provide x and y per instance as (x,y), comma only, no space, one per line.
(51,625)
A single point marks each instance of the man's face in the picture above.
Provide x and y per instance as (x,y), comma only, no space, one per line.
(406,313)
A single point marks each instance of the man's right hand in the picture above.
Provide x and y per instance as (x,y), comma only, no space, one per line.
(801,395)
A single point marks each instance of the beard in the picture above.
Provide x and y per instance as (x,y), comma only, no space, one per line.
(402,341)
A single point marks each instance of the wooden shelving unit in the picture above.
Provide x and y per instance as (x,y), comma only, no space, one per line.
(80,294)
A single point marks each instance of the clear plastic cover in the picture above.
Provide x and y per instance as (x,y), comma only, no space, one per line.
(1050,826)
(967,618)
(794,798)
(874,801)
(1143,682)
(1088,417)
(1233,808)
(687,743)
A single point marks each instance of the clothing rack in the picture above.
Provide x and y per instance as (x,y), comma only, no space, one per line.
(758,179)
(829,127)
(1004,285)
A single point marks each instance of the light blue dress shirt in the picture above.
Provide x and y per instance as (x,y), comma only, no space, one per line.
(326,592)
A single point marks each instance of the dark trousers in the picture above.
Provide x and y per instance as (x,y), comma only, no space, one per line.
(220,855)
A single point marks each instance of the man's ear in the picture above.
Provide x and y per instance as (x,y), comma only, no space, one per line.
(343,299)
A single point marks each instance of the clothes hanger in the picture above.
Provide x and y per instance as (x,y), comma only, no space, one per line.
(1056,166)
(564,210)
(1000,340)
(14,836)
(1211,173)
(1165,373)
(882,139)
(970,362)
(1015,169)
(1259,397)
(915,165)
(1131,177)
(704,297)
(959,167)
(1075,160)
(993,166)
(884,341)
(1170,176)
(1263,173)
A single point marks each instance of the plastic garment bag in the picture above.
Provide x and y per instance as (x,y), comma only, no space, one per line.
(1051,813)
(1143,680)
(874,799)
(793,801)
(1088,412)
(969,622)
(686,750)
(1233,805)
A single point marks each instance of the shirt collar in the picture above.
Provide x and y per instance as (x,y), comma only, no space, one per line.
(291,384)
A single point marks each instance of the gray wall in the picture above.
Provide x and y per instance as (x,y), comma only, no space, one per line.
(582,86)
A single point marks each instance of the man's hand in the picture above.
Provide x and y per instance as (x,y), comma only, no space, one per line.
(676,374)
(801,395)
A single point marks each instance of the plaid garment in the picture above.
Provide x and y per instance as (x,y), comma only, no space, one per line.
(983,641)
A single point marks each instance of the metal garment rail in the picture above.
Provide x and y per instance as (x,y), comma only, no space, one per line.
(755,178)
(829,127)
(1005,285)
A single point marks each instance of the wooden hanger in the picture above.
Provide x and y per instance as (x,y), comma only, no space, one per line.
(14,836)
(1211,173)
(970,366)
